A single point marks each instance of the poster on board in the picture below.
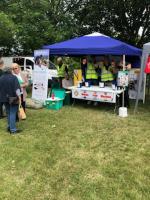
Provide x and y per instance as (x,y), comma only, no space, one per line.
(40,85)
(123,78)
(40,75)
(41,58)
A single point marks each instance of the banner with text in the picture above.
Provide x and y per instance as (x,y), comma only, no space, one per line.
(40,85)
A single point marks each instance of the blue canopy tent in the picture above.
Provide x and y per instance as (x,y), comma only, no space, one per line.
(96,44)
(93,44)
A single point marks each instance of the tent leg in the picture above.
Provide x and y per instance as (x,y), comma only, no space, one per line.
(143,62)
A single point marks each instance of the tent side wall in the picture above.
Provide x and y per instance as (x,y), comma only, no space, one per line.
(145,54)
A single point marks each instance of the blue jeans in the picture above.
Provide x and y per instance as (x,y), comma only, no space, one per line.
(1,109)
(11,111)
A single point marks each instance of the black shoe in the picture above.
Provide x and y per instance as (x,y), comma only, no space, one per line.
(15,132)
(8,129)
(1,117)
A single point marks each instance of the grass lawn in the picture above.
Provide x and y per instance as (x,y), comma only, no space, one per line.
(77,153)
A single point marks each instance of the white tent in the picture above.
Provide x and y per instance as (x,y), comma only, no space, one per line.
(145,54)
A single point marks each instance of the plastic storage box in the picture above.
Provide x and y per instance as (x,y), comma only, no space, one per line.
(60,93)
(57,102)
(54,104)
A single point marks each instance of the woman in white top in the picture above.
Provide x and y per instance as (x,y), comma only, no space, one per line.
(23,81)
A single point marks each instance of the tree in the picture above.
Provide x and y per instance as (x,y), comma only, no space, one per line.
(128,17)
(38,23)
(7,33)
(33,23)
(121,19)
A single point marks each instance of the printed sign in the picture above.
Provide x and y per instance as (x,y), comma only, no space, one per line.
(105,96)
(41,59)
(40,85)
(40,75)
(123,79)
(94,95)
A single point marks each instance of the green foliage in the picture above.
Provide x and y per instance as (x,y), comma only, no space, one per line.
(127,19)
(120,19)
(7,30)
(26,25)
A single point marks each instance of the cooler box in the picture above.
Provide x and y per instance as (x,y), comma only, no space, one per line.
(54,104)
(57,102)
(58,92)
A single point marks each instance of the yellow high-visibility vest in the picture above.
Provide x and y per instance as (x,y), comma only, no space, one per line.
(106,75)
(91,73)
(61,70)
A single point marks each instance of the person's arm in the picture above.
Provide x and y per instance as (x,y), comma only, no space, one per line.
(18,93)
(25,83)
(17,89)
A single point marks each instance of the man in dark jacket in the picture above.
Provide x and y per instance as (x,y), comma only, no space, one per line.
(9,87)
(1,73)
(84,68)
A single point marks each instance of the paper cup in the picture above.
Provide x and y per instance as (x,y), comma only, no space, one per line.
(86,84)
(101,84)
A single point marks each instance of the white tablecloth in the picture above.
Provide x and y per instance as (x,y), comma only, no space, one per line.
(95,93)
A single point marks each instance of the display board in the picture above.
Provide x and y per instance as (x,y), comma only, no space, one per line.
(41,58)
(123,78)
(134,75)
(40,85)
(40,75)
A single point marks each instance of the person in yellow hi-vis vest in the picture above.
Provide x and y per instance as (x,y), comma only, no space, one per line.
(61,69)
(106,74)
(69,67)
(91,74)
(113,69)
(91,77)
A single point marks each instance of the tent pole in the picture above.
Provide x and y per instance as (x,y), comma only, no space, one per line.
(124,63)
(143,62)
(144,88)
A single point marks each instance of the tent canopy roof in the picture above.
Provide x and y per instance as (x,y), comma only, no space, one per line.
(93,44)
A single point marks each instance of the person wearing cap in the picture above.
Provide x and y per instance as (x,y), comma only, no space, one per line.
(10,95)
(1,73)
(61,69)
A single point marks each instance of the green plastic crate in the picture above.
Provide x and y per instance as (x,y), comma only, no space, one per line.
(60,93)
(55,104)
